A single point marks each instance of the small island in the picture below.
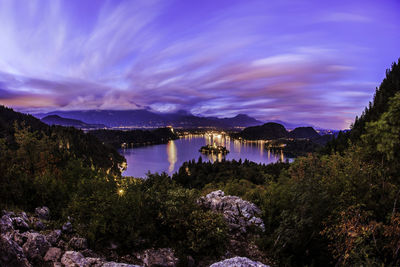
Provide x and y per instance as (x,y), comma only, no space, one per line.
(214,149)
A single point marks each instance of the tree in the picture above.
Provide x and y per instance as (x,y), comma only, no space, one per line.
(383,135)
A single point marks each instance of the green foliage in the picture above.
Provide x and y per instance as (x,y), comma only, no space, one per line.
(154,212)
(354,239)
(293,148)
(383,135)
(197,174)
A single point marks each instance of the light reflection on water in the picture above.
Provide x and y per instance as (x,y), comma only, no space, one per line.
(172,155)
(169,157)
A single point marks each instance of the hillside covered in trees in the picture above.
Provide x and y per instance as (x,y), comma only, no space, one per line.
(389,87)
(72,142)
(298,142)
(134,138)
(270,130)
(331,209)
(273,130)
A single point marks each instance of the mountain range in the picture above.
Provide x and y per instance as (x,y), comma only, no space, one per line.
(146,118)
(57,120)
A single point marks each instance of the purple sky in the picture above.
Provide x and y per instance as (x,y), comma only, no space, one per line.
(297,61)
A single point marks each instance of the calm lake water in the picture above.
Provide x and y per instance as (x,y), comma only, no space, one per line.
(169,157)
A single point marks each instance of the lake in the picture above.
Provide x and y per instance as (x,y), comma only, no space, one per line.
(169,157)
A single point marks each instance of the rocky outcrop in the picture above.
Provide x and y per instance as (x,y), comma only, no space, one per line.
(11,254)
(6,223)
(115,264)
(239,214)
(27,247)
(244,226)
(78,243)
(43,213)
(53,237)
(238,262)
(22,245)
(163,257)
(67,228)
(76,259)
(21,223)
(53,254)
(35,247)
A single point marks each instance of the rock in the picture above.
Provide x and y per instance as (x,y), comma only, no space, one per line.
(37,224)
(53,237)
(76,259)
(43,212)
(93,262)
(53,254)
(20,223)
(67,228)
(89,253)
(24,216)
(115,264)
(8,213)
(78,243)
(6,224)
(62,244)
(131,258)
(35,247)
(20,238)
(238,262)
(160,257)
(72,259)
(11,254)
(238,213)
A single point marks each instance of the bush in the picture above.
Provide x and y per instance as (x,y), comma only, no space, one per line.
(155,212)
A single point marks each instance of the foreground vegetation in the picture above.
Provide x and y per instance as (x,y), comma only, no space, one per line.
(337,208)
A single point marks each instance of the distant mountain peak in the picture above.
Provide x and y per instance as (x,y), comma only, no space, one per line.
(146,118)
(52,117)
(183,112)
(55,119)
(241,115)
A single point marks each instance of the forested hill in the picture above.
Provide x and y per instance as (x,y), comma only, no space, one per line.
(66,141)
(304,132)
(134,138)
(8,117)
(380,104)
(272,130)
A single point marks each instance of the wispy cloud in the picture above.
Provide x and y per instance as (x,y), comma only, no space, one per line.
(346,17)
(271,60)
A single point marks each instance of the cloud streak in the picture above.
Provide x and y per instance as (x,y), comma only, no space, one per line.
(304,62)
